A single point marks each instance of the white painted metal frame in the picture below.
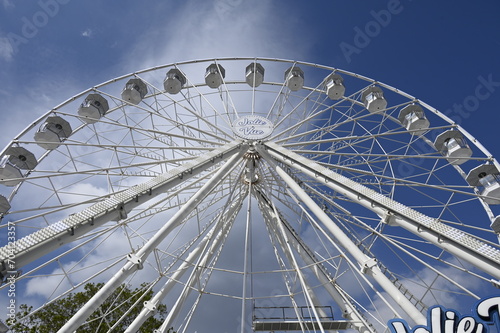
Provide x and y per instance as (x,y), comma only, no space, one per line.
(135,260)
(460,244)
(367,265)
(350,312)
(195,139)
(41,242)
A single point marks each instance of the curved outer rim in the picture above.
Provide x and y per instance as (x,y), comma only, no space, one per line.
(388,87)
(35,123)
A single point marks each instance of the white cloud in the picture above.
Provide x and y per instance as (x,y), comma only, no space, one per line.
(441,292)
(8,4)
(47,285)
(219,29)
(99,254)
(88,33)
(6,49)
(82,192)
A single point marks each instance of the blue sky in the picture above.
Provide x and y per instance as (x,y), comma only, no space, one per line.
(444,53)
(435,51)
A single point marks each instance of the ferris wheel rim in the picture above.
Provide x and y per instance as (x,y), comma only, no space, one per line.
(318,89)
(40,119)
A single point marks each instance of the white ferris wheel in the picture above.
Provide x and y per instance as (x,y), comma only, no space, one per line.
(252,193)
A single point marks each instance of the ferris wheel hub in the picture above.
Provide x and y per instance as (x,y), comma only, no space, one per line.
(253,127)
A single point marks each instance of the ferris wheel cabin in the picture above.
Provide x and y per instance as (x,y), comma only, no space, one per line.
(335,88)
(134,91)
(215,75)
(254,74)
(174,81)
(412,117)
(93,108)
(54,131)
(294,78)
(4,205)
(373,98)
(15,160)
(453,146)
(486,178)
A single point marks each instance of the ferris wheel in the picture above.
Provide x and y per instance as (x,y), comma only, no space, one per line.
(252,194)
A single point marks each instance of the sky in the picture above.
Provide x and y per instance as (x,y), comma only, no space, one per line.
(439,52)
(443,53)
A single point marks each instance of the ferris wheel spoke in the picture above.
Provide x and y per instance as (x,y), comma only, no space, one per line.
(299,109)
(271,214)
(194,110)
(397,213)
(361,258)
(402,245)
(228,101)
(132,265)
(213,131)
(410,251)
(48,174)
(348,177)
(190,108)
(211,241)
(104,211)
(345,219)
(390,180)
(324,128)
(360,277)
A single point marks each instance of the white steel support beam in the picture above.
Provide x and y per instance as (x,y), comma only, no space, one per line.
(223,224)
(203,258)
(271,217)
(206,252)
(246,250)
(475,251)
(368,265)
(41,242)
(135,260)
(348,309)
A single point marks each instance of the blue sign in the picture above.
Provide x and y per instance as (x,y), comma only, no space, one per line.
(485,318)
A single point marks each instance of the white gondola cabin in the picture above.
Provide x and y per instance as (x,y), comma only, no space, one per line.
(335,88)
(486,178)
(373,99)
(52,132)
(495,224)
(174,81)
(412,117)
(4,205)
(134,91)
(93,108)
(13,162)
(453,146)
(254,74)
(294,78)
(214,75)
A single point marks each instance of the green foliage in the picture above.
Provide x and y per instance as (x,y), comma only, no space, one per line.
(56,314)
